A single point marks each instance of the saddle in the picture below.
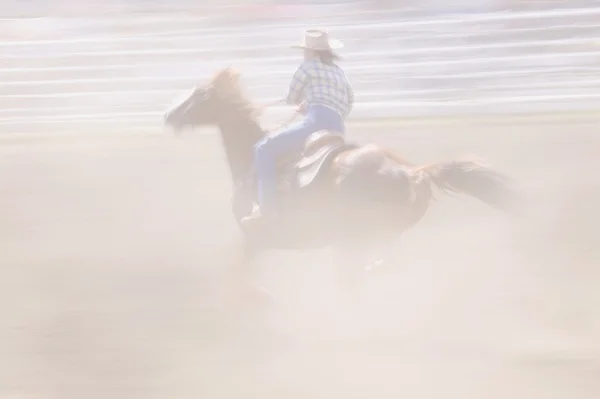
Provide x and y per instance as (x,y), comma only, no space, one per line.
(297,172)
(300,174)
(306,168)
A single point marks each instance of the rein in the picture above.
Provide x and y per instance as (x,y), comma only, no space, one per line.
(286,123)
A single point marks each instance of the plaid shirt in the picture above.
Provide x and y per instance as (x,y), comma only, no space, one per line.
(316,83)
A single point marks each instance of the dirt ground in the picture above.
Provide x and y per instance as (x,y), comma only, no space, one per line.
(112,248)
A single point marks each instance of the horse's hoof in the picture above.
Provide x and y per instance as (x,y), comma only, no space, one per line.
(260,294)
(376,266)
(250,294)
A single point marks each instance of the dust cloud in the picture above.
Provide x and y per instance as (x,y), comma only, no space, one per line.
(113,249)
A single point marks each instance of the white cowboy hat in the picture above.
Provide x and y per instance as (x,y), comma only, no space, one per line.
(317,39)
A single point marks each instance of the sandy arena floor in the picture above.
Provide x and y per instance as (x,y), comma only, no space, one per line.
(112,246)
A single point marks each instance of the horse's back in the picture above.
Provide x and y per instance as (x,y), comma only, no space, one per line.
(368,175)
(361,173)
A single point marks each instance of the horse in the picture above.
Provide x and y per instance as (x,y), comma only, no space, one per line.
(333,193)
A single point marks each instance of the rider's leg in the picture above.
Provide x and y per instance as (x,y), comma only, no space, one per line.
(266,153)
(268,149)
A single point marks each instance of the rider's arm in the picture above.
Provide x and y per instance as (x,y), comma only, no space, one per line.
(350,99)
(259,109)
(299,81)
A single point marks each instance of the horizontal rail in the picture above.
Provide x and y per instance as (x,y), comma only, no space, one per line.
(237,32)
(350,67)
(193,35)
(359,107)
(507,69)
(356,54)
(191,80)
(408,92)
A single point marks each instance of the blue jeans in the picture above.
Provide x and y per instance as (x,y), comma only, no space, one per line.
(267,150)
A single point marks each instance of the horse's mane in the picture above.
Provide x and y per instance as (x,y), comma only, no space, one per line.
(227,83)
(242,130)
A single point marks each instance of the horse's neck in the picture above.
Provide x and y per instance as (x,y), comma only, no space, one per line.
(239,134)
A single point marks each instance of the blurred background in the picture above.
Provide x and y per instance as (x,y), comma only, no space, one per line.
(62,63)
(115,235)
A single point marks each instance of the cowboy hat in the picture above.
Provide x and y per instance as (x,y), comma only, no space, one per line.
(319,40)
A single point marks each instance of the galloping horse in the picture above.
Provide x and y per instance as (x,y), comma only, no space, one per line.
(332,193)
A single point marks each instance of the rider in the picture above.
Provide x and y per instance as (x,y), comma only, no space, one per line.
(321,90)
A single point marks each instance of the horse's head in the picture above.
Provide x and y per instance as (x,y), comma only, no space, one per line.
(194,109)
(208,104)
(221,102)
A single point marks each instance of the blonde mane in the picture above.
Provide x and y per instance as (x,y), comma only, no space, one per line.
(227,84)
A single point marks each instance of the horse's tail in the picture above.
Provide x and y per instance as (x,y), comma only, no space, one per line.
(476,180)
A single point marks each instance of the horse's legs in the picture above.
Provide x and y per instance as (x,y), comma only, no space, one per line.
(386,256)
(350,269)
(244,273)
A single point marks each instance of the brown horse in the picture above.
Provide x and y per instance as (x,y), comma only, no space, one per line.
(332,193)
